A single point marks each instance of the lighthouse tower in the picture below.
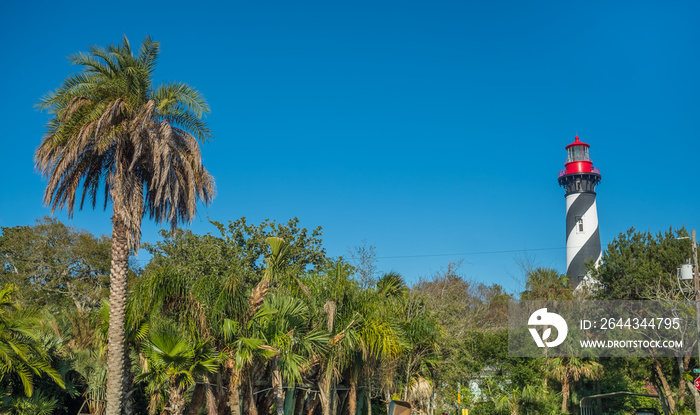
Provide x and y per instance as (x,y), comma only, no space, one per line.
(580,178)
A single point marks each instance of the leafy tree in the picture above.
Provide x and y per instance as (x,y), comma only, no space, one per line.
(331,302)
(636,265)
(303,249)
(473,317)
(111,128)
(359,334)
(422,336)
(52,263)
(240,249)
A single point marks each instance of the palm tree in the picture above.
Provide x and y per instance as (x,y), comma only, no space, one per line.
(547,284)
(90,365)
(173,364)
(512,402)
(571,369)
(111,127)
(359,333)
(379,339)
(287,329)
(332,306)
(422,336)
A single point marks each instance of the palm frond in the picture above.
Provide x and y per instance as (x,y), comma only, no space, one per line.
(110,128)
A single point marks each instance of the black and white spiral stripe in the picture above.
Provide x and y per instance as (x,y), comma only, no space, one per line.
(582,235)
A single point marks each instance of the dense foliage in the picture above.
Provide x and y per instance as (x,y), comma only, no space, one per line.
(257,319)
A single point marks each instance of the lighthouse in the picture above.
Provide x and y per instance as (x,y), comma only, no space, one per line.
(579,178)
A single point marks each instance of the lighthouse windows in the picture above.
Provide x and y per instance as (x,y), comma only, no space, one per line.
(577,153)
(579,224)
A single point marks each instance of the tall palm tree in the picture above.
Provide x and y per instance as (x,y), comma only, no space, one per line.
(111,127)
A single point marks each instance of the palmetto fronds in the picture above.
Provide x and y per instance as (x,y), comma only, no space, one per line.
(511,402)
(37,404)
(90,365)
(21,356)
(171,365)
(286,326)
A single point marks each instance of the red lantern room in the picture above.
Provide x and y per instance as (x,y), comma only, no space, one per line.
(578,159)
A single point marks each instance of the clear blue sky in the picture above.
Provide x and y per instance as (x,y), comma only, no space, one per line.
(425,128)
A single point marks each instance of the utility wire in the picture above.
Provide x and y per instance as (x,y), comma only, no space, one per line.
(508,251)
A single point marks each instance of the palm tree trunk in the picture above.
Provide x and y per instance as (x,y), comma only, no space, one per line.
(251,408)
(117,308)
(300,403)
(352,394)
(129,389)
(324,391)
(387,398)
(313,403)
(210,395)
(369,403)
(234,394)
(197,400)
(177,401)
(565,394)
(408,380)
(334,401)
(277,389)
